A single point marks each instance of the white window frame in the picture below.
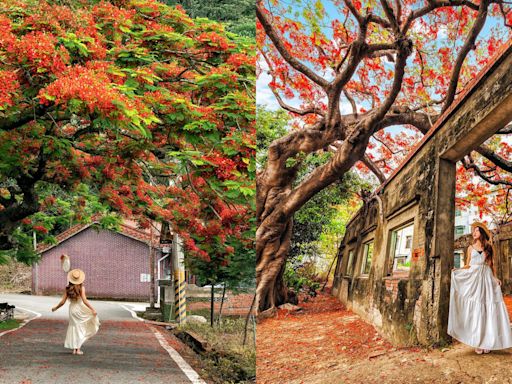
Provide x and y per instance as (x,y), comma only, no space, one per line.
(349,269)
(364,260)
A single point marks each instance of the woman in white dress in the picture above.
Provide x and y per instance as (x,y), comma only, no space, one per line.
(478,316)
(83,319)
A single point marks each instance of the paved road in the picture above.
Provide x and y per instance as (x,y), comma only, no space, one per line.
(125,350)
(107,310)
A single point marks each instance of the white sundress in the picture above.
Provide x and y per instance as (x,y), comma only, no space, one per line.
(478,316)
(82,324)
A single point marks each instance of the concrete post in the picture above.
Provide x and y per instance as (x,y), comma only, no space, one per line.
(180,284)
(443,250)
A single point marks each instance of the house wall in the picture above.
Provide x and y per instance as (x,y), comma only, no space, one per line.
(113,264)
(413,308)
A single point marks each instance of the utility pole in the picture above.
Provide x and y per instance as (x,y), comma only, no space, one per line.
(179,281)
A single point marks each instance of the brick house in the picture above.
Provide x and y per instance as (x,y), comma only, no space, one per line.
(116,263)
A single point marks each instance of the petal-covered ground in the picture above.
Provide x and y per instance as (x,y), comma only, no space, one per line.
(325,343)
(121,352)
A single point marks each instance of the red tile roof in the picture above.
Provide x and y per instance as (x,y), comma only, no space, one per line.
(127,228)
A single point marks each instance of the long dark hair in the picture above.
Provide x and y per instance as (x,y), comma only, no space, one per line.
(73,291)
(487,246)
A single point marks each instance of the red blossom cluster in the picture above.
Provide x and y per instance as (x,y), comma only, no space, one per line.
(40,228)
(90,86)
(224,166)
(240,59)
(40,51)
(9,87)
(214,40)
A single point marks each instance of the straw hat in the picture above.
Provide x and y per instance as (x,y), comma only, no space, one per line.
(483,227)
(76,276)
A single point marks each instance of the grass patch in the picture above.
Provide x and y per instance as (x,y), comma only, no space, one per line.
(229,361)
(9,324)
(205,312)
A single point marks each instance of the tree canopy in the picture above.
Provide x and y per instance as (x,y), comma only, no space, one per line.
(239,15)
(131,101)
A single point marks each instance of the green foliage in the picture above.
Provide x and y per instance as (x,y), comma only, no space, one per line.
(238,15)
(301,276)
(60,209)
(271,126)
(9,324)
(332,234)
(236,271)
(311,220)
(319,224)
(229,361)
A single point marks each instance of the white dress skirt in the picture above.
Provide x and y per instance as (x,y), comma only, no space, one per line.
(478,316)
(82,324)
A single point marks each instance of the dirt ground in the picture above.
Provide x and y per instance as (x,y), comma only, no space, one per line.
(327,344)
(15,277)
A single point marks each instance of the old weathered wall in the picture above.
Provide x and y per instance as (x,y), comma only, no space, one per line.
(503,249)
(413,307)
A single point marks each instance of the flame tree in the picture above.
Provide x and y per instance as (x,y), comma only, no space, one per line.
(131,102)
(348,70)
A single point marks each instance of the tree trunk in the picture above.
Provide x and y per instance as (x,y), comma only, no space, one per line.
(271,290)
(249,314)
(276,206)
(329,271)
(221,303)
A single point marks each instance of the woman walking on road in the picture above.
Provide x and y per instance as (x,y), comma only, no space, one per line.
(478,316)
(83,319)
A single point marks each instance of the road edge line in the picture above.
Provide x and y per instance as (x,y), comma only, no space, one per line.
(192,375)
(184,366)
(25,322)
(134,315)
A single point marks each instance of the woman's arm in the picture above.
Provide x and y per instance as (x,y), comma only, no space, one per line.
(468,258)
(493,269)
(62,301)
(86,302)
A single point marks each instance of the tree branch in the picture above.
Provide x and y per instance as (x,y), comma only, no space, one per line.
(505,130)
(302,112)
(433,5)
(468,163)
(351,101)
(469,44)
(391,16)
(404,50)
(373,168)
(495,158)
(354,11)
(16,120)
(276,40)
(417,119)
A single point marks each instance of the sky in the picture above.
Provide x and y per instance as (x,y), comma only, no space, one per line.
(266,98)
